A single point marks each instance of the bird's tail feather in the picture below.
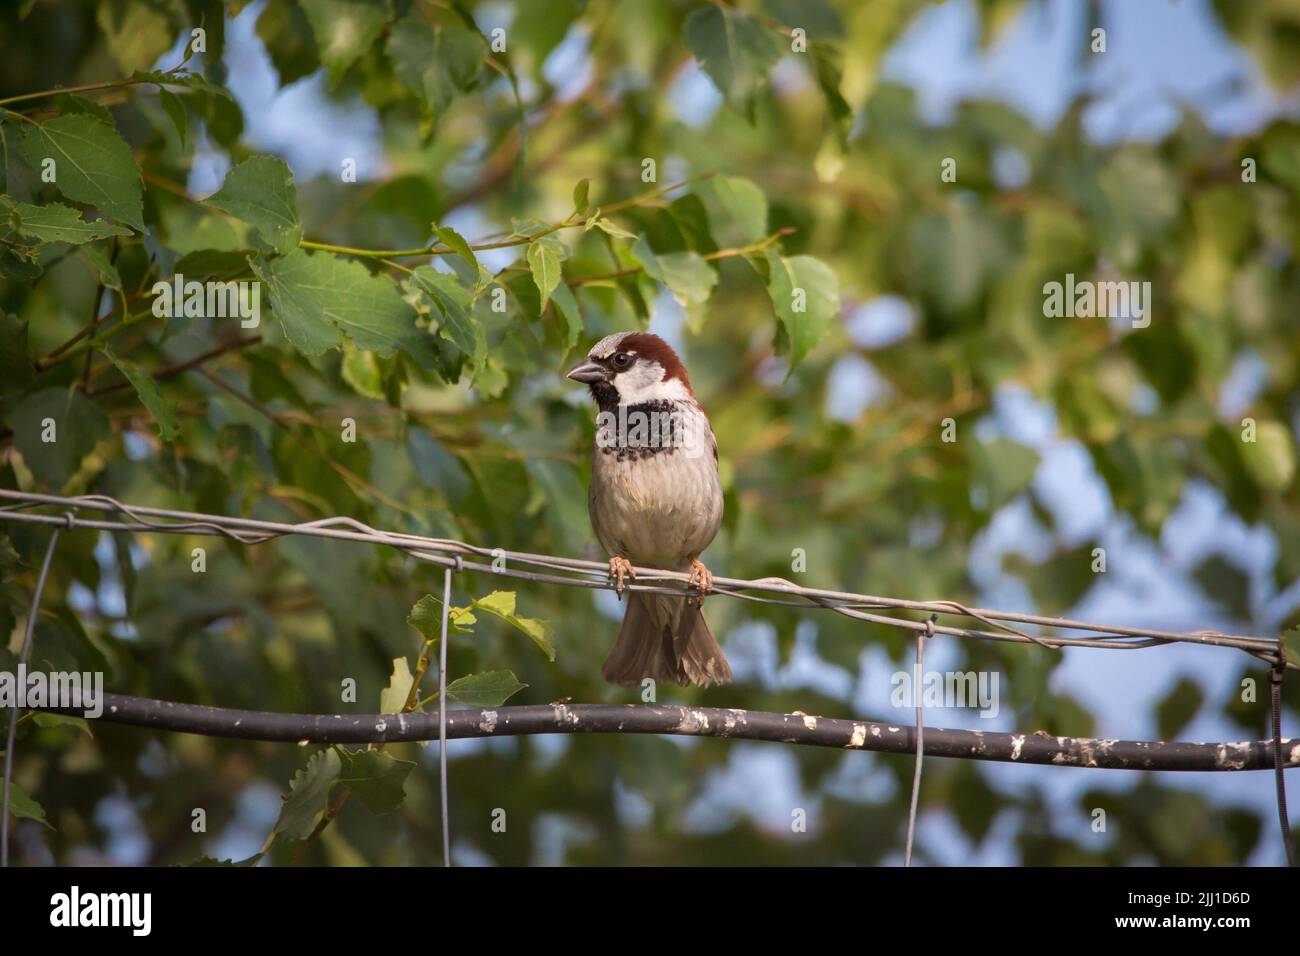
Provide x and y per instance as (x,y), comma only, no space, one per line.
(668,639)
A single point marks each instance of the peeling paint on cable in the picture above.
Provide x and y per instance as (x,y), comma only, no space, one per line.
(692,722)
(565,716)
(1225,757)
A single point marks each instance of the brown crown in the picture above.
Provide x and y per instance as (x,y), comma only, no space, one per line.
(652,346)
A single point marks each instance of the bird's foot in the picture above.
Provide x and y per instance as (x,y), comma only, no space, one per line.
(620,568)
(701,579)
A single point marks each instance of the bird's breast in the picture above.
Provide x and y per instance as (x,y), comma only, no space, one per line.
(659,505)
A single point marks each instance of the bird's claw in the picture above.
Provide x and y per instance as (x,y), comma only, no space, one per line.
(619,568)
(701,579)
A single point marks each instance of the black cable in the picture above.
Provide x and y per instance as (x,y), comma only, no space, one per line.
(687,721)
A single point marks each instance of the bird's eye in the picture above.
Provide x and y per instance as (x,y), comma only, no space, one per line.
(622,360)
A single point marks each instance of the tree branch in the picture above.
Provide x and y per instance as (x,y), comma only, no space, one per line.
(177,367)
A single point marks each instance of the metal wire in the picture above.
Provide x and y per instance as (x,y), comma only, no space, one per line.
(920,737)
(574,572)
(1275,675)
(450,554)
(442,717)
(14,714)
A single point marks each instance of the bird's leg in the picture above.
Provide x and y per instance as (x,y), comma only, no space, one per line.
(701,579)
(620,568)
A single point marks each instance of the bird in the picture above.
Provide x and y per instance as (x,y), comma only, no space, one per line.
(655,500)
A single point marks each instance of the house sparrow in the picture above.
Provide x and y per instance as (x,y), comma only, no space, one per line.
(655,500)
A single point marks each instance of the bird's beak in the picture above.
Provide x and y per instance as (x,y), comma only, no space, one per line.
(588,372)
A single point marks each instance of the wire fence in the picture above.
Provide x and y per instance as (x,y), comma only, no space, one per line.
(797,728)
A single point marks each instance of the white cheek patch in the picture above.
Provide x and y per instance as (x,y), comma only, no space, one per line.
(637,380)
(645,383)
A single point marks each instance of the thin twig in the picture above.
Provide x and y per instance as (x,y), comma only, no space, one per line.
(185,366)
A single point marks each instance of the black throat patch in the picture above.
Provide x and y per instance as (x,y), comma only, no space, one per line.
(643,430)
(606,396)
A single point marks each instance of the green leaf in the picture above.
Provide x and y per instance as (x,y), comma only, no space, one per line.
(566,304)
(565,513)
(287,36)
(17,263)
(502,604)
(1058,583)
(392,699)
(375,777)
(260,191)
(67,103)
(1003,469)
(580,192)
(487,689)
(545,266)
(426,617)
(1177,708)
(826,66)
(92,164)
(733,48)
(1224,582)
(151,395)
(453,240)
(59,223)
(437,467)
(436,63)
(744,203)
(680,226)
(174,107)
(362,371)
(217,264)
(46,719)
(136,33)
(344,30)
(453,301)
(1291,644)
(105,271)
(323,300)
(61,644)
(530,228)
(23,807)
(308,797)
(15,358)
(687,275)
(75,426)
(806,297)
(1270,458)
(611,228)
